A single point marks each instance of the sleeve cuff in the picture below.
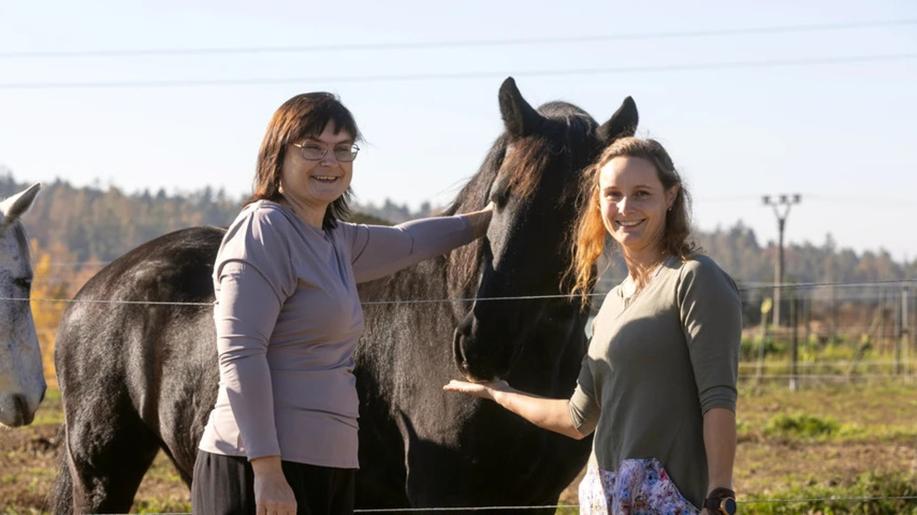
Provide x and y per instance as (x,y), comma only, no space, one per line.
(584,412)
(718,397)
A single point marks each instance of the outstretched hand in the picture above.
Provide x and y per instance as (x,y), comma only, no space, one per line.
(484,390)
(480,219)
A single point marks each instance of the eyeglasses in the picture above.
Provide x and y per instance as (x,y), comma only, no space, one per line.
(315,152)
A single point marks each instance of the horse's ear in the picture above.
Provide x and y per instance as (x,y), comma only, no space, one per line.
(622,123)
(13,207)
(520,118)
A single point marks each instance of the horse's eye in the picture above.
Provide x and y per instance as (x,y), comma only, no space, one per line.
(500,196)
(23,282)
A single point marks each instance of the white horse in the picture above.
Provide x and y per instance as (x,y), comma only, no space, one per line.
(22,383)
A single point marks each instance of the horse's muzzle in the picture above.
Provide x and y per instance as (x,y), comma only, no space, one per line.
(471,360)
(458,352)
(14,411)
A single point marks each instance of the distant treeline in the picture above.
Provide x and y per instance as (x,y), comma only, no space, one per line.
(96,224)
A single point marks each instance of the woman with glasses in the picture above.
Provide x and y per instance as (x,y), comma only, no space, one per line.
(657,386)
(282,437)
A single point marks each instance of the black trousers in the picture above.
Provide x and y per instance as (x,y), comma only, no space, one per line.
(225,484)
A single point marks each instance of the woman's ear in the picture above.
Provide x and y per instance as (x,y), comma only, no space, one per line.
(670,195)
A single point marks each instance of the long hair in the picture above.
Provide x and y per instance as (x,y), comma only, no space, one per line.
(300,117)
(590,232)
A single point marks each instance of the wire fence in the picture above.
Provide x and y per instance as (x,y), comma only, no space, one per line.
(745,288)
(828,338)
(740,502)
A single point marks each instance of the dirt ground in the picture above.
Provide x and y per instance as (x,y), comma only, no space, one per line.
(877,432)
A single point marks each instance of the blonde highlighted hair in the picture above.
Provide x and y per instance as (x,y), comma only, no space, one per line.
(590,233)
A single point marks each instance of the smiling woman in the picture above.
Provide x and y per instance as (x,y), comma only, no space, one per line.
(282,435)
(658,384)
(294,150)
(319,173)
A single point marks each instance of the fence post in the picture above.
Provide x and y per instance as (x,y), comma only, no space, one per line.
(899,333)
(794,353)
(904,336)
(766,305)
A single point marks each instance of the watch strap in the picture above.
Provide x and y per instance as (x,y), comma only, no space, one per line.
(721,500)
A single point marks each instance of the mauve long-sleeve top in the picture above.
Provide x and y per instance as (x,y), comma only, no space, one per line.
(287,319)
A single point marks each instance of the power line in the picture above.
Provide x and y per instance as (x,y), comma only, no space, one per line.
(736,198)
(260,81)
(885,201)
(419,45)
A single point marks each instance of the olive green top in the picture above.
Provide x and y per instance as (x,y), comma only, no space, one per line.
(658,360)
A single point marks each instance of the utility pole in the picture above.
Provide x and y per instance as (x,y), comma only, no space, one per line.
(781,205)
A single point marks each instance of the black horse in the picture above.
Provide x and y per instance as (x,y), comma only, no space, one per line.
(136,378)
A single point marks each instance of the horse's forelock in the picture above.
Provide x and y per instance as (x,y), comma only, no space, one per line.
(569,115)
(530,160)
(521,170)
(530,157)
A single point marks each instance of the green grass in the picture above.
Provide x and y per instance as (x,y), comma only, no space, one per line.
(833,440)
(161,506)
(869,494)
(801,425)
(817,357)
(50,413)
(839,413)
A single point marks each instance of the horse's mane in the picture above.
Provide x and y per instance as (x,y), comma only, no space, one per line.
(521,169)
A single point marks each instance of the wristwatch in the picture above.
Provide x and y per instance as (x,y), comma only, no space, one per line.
(721,500)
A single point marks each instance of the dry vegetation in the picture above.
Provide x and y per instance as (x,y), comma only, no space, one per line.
(848,441)
(851,440)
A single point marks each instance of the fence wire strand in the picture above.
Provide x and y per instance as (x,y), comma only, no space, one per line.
(848,500)
(576,506)
(788,286)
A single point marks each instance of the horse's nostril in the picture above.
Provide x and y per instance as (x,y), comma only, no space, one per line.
(465,326)
(21,414)
(457,354)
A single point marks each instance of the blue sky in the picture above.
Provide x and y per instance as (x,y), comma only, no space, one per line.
(841,134)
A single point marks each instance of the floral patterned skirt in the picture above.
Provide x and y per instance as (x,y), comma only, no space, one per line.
(638,487)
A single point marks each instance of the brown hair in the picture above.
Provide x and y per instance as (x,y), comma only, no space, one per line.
(590,232)
(300,117)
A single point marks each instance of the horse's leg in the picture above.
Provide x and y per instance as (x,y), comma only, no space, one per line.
(109,449)
(436,476)
(443,476)
(61,498)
